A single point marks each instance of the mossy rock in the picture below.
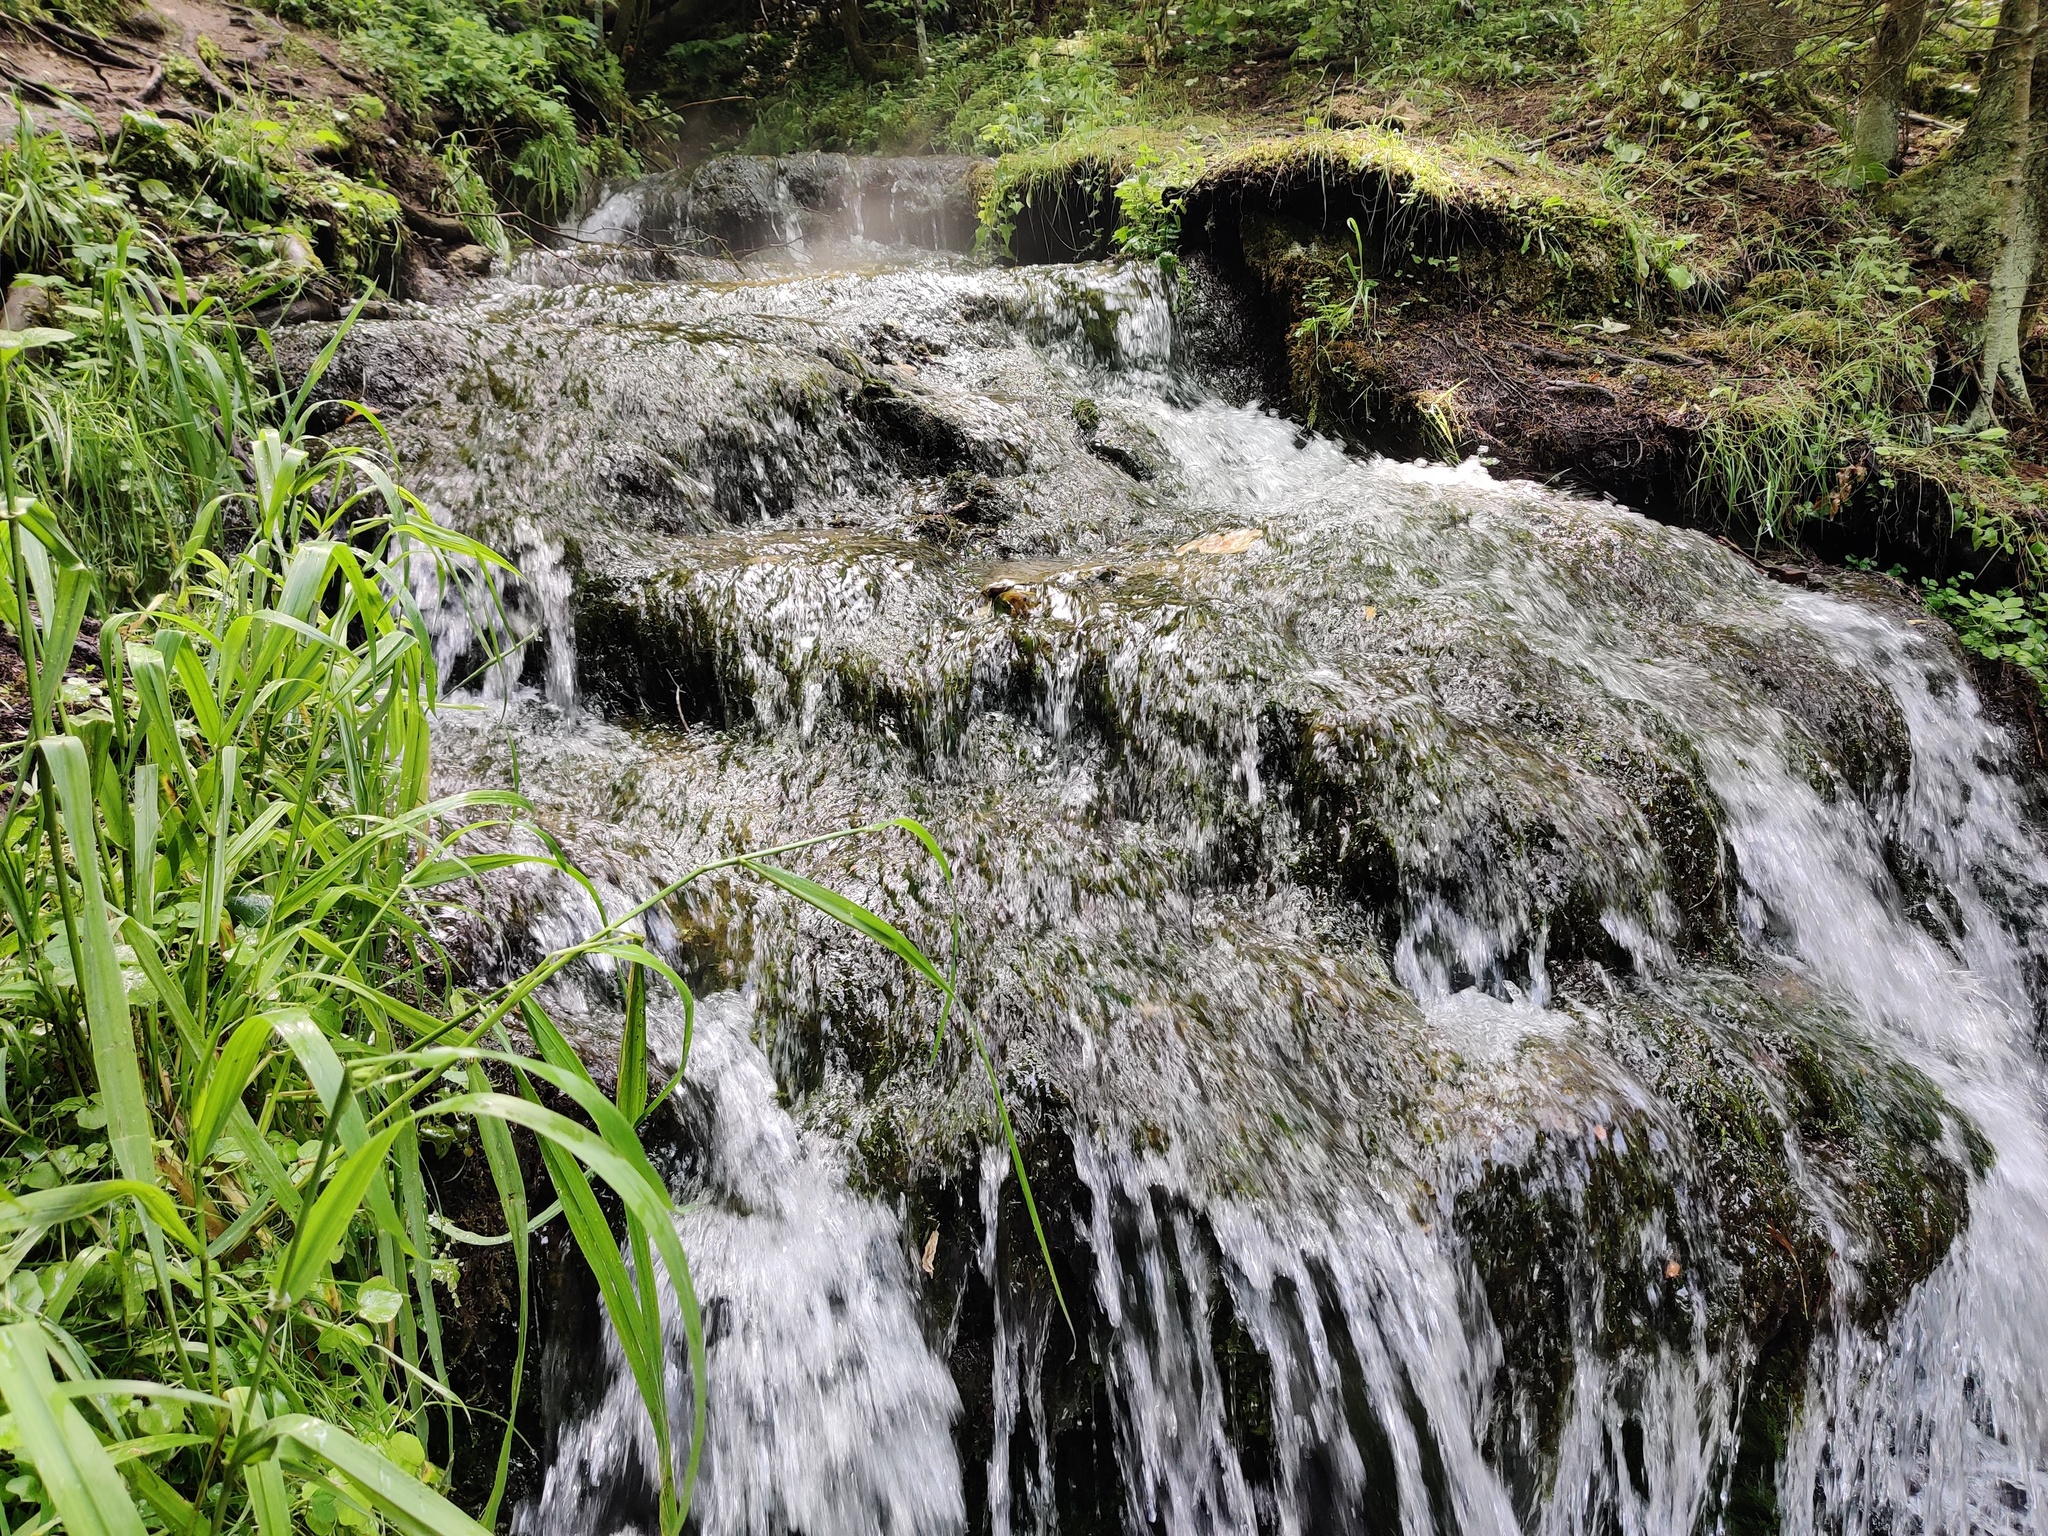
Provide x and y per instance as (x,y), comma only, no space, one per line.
(1054,203)
(359,229)
(1461,217)
(149,147)
(1775,1125)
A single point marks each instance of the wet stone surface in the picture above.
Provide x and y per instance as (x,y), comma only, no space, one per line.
(1477,975)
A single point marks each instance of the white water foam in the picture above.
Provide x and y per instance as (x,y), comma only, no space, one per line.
(828,1410)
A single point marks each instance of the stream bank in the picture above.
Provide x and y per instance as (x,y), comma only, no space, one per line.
(1501,310)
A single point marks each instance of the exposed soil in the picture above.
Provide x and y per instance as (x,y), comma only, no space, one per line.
(15,712)
(14,705)
(261,56)
(82,85)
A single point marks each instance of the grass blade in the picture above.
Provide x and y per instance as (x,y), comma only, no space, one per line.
(224,1082)
(74,1467)
(647,1201)
(503,1158)
(632,1086)
(326,1224)
(391,1491)
(851,913)
(70,1202)
(99,972)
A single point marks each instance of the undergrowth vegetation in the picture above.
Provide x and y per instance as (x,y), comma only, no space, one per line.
(231,1041)
(129,418)
(230,1038)
(1863,331)
(217,863)
(2005,626)
(525,92)
(519,82)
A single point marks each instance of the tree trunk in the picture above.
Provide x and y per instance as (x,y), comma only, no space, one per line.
(1966,198)
(1959,197)
(1874,144)
(856,46)
(626,28)
(2018,232)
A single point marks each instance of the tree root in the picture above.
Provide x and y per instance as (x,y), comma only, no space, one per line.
(19,81)
(82,44)
(227,93)
(437,226)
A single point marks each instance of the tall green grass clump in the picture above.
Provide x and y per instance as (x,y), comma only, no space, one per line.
(132,415)
(227,1027)
(1850,341)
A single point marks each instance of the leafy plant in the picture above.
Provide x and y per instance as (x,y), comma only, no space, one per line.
(471,196)
(1335,314)
(549,170)
(2006,626)
(228,1027)
(1150,205)
(47,205)
(1064,89)
(516,76)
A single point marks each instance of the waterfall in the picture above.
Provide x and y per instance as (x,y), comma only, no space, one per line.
(828,1411)
(1518,1023)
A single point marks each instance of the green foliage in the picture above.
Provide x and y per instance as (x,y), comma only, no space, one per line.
(1065,89)
(514,76)
(113,423)
(1332,313)
(1860,326)
(105,415)
(2003,626)
(1149,204)
(229,1027)
(248,861)
(99,16)
(1682,136)
(549,172)
(471,195)
(983,79)
(52,209)
(1493,42)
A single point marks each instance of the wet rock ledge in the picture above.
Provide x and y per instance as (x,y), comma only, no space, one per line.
(857,549)
(1503,311)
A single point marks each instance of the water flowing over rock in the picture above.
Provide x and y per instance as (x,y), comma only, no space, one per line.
(1515,1022)
(740,203)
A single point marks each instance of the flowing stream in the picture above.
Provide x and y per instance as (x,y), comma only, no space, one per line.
(1515,1021)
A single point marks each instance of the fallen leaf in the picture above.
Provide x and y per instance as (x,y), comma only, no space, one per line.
(1371,612)
(1673,1270)
(1225,541)
(931,1251)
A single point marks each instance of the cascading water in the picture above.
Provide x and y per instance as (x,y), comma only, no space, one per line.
(829,1410)
(1516,1022)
